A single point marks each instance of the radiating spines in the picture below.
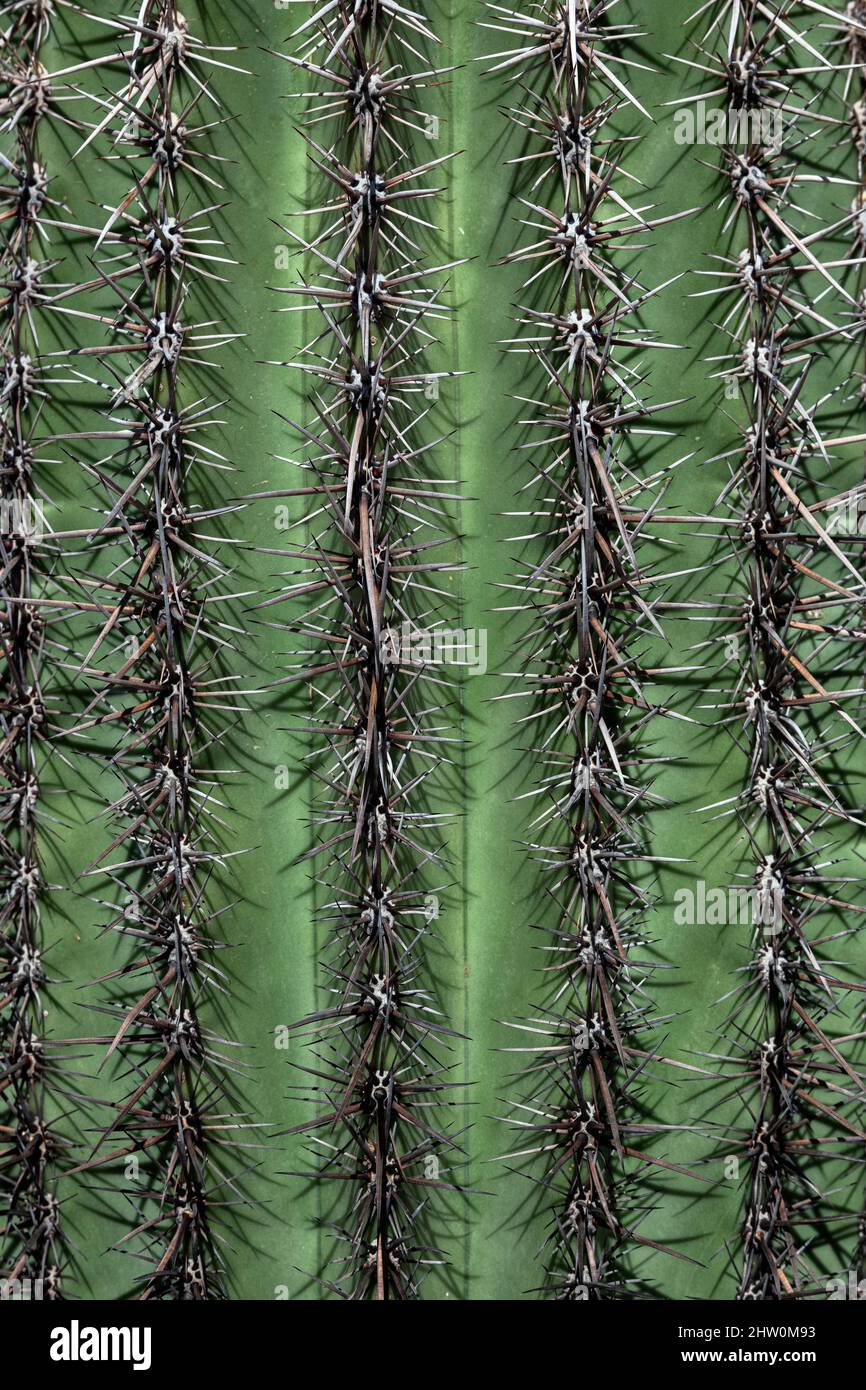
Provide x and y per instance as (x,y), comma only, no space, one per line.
(591,600)
(158,664)
(577,44)
(366,608)
(785,690)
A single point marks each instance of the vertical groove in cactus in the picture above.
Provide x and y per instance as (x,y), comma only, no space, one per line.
(162,694)
(591,594)
(786,690)
(367,611)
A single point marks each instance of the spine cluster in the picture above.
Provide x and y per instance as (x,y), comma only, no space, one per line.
(370,588)
(591,599)
(157,664)
(787,631)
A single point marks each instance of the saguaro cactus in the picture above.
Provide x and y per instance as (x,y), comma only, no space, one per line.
(667,414)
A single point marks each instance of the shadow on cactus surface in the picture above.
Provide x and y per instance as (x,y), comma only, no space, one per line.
(431,758)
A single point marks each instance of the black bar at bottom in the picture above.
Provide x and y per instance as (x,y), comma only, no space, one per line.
(255,1339)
